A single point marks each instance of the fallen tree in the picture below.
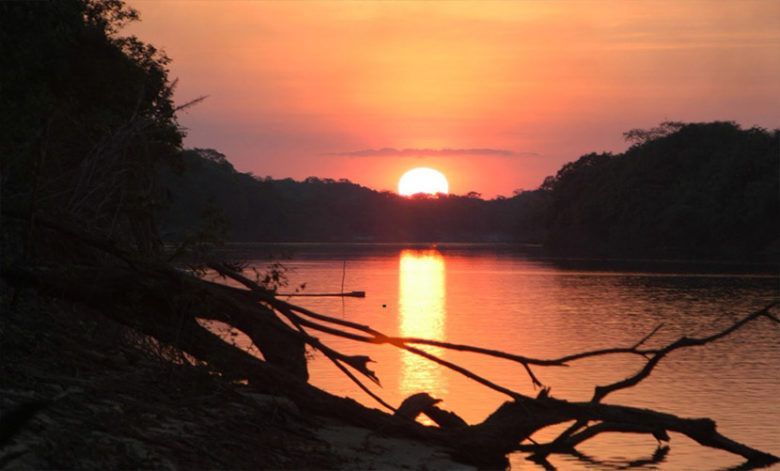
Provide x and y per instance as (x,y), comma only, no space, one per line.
(166,303)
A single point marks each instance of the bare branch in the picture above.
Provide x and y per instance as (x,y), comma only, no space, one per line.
(654,357)
(191,103)
(657,355)
(377,337)
(335,360)
(647,337)
(571,442)
(115,290)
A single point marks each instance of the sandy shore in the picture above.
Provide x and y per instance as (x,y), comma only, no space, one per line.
(111,404)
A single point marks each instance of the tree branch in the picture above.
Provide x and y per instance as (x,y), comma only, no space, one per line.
(160,301)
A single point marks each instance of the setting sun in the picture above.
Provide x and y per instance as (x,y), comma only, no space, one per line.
(423,180)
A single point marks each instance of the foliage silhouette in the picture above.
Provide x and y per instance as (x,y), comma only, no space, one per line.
(682,190)
(87,117)
(263,209)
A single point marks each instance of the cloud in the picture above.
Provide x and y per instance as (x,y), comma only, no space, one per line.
(446,152)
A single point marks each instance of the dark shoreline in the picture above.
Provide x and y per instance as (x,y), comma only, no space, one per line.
(534,252)
(113,402)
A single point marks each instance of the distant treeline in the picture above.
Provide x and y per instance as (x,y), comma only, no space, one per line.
(324,210)
(681,190)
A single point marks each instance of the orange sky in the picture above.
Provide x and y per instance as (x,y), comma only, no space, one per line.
(498,95)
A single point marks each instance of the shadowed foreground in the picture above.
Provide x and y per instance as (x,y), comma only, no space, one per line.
(163,306)
(113,402)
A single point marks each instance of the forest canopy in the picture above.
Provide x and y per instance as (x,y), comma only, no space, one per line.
(326,210)
(89,130)
(680,190)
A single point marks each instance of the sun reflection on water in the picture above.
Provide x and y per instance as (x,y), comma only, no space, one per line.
(422,311)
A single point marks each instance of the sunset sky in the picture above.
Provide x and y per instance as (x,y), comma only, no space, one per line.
(494,95)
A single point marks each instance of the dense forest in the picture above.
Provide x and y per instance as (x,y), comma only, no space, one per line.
(87,119)
(263,209)
(89,131)
(681,190)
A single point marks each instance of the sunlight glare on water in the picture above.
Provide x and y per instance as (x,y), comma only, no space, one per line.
(421,313)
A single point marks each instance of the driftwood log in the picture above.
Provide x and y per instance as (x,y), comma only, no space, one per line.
(166,303)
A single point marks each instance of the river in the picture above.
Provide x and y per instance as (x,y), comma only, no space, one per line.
(517,300)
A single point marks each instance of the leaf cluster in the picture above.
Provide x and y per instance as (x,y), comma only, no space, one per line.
(88,116)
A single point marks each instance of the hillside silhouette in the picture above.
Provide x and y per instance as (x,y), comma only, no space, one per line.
(325,210)
(681,190)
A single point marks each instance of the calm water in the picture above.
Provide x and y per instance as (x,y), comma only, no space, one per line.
(510,300)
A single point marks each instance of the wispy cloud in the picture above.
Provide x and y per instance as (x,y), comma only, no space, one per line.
(445,152)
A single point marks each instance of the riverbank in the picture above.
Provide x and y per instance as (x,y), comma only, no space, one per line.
(112,399)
